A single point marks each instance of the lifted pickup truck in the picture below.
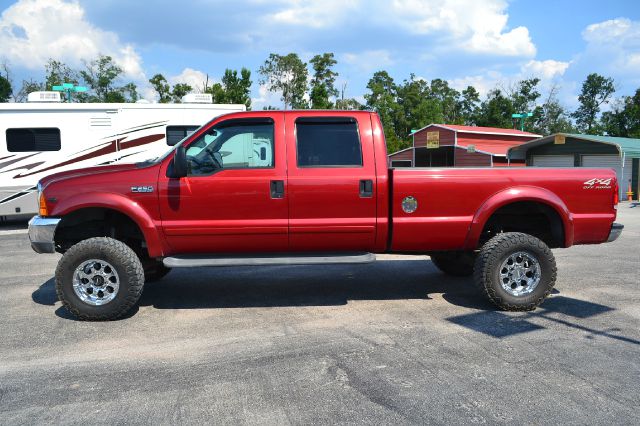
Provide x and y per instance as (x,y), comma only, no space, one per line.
(309,187)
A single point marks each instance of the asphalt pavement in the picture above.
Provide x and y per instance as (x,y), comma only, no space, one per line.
(393,342)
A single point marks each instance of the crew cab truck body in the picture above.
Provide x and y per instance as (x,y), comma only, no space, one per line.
(304,187)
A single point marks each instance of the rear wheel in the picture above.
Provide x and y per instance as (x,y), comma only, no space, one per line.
(456,263)
(516,271)
(99,279)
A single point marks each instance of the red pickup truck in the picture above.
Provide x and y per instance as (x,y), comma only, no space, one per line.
(309,187)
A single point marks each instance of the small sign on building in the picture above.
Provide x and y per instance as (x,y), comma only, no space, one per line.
(559,139)
(471,148)
(433,140)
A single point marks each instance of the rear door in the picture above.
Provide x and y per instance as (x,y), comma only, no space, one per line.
(331,182)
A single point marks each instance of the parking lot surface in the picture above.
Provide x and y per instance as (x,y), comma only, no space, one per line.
(393,342)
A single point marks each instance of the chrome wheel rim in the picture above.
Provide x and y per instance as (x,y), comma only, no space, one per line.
(96,282)
(520,273)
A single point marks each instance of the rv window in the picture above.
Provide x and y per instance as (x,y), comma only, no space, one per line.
(176,133)
(33,140)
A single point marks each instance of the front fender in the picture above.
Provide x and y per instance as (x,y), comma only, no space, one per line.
(121,204)
(514,195)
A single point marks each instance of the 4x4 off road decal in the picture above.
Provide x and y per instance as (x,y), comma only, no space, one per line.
(596,183)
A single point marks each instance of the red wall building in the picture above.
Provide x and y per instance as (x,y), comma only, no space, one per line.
(460,146)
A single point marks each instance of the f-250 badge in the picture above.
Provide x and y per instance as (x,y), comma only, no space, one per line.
(596,183)
(142,189)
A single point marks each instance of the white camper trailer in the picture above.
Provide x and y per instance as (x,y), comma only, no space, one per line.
(44,137)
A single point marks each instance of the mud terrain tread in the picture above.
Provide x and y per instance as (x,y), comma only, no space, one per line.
(131,282)
(492,252)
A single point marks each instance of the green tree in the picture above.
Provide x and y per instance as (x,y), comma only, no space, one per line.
(382,98)
(323,81)
(448,99)
(57,73)
(496,110)
(179,91)
(102,76)
(287,75)
(551,117)
(469,106)
(624,118)
(162,88)
(525,94)
(237,89)
(417,106)
(5,86)
(596,91)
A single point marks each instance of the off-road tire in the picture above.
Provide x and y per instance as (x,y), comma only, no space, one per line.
(457,264)
(123,259)
(486,273)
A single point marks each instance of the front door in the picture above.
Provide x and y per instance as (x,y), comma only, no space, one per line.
(233,199)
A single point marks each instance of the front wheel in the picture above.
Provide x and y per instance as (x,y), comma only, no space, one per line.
(99,279)
(516,271)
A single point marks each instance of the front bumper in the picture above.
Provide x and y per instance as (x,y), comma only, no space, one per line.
(616,230)
(41,233)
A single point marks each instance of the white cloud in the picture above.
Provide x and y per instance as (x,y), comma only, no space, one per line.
(614,45)
(194,78)
(32,31)
(477,26)
(545,70)
(483,83)
(369,60)
(316,14)
(266,98)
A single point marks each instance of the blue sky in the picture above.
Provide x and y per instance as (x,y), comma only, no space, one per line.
(480,42)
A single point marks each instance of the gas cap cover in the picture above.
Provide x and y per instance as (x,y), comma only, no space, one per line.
(409,204)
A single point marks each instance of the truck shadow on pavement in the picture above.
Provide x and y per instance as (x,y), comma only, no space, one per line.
(336,285)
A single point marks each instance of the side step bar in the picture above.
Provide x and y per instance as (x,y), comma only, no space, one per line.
(192,261)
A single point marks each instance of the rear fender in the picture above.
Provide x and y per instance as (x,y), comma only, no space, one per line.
(514,195)
(120,203)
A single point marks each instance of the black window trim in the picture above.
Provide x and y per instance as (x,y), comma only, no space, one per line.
(329,120)
(248,121)
(6,134)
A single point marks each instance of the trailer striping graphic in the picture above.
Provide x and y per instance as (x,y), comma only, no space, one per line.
(102,151)
(18,195)
(15,160)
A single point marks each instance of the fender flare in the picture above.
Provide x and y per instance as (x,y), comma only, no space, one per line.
(121,204)
(514,195)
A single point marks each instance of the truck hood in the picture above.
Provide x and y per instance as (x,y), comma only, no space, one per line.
(89,171)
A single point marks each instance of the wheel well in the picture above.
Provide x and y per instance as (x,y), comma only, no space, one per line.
(99,222)
(530,217)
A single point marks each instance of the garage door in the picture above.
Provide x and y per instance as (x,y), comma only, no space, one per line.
(611,162)
(553,160)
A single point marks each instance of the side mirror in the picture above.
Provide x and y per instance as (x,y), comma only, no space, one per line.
(179,165)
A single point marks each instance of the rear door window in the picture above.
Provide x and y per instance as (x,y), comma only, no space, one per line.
(328,142)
